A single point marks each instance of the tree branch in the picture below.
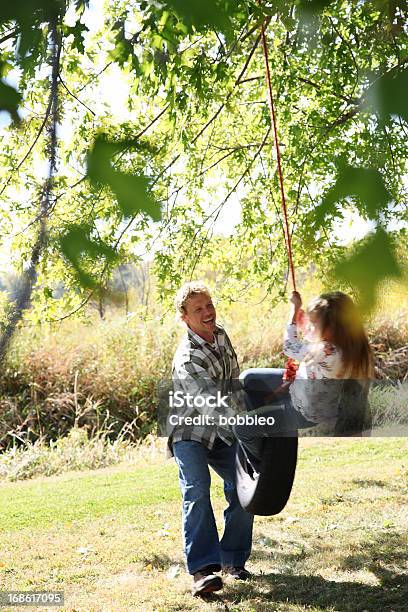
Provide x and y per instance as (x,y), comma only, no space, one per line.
(173,161)
(91,293)
(255,78)
(74,96)
(29,276)
(40,130)
(9,35)
(347,99)
(344,117)
(95,76)
(218,111)
(218,209)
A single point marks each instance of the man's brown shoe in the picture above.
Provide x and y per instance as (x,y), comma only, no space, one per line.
(237,572)
(205,581)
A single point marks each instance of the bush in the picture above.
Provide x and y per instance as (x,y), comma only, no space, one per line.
(389,405)
(85,374)
(75,451)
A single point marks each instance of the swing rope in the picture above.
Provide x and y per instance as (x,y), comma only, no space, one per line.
(286,232)
(291,365)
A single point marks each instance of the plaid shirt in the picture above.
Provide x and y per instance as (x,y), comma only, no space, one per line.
(203,369)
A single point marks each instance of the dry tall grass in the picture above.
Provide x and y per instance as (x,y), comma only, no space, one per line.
(83,373)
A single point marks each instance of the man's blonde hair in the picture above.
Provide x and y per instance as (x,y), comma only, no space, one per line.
(187,291)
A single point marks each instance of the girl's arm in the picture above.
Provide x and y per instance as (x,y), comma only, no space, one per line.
(293,346)
(329,361)
(318,399)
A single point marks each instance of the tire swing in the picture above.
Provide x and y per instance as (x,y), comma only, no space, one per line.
(267,492)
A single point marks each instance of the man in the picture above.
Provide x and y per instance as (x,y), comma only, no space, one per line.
(205,363)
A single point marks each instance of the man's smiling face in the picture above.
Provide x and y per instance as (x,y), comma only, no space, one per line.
(200,316)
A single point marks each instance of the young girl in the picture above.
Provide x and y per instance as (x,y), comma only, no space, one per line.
(331,382)
(335,347)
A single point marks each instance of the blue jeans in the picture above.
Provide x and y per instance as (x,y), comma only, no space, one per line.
(202,546)
(258,382)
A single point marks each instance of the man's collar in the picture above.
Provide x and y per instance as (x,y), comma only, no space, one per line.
(201,341)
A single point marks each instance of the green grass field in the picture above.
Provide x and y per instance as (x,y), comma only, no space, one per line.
(111,540)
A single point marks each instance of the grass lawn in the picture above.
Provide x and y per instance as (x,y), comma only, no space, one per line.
(111,540)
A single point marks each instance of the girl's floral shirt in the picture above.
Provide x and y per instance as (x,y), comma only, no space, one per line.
(317,390)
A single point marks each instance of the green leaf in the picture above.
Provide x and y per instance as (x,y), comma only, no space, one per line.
(370,262)
(10,98)
(200,14)
(76,244)
(131,190)
(26,10)
(393,95)
(29,15)
(313,6)
(77,31)
(81,5)
(364,184)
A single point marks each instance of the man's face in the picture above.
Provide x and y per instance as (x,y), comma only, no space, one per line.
(199,314)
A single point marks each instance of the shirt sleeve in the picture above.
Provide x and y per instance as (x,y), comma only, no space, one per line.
(193,381)
(234,366)
(328,360)
(318,396)
(237,392)
(293,346)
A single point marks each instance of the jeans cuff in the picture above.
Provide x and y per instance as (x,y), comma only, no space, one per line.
(234,559)
(193,568)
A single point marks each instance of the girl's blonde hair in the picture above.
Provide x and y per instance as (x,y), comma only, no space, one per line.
(339,320)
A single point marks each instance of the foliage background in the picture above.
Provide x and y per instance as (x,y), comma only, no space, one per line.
(85,192)
(197,131)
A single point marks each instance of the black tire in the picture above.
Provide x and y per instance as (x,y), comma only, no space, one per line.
(268,492)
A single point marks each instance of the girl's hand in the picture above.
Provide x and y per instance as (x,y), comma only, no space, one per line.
(296,300)
(296,315)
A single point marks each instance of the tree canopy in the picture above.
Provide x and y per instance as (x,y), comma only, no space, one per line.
(87,190)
